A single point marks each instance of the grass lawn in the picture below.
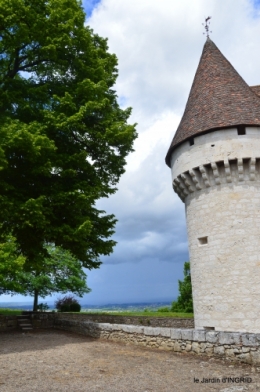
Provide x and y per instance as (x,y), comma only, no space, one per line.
(10,312)
(16,312)
(144,314)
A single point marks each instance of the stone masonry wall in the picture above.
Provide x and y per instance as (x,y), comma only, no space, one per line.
(219,179)
(8,323)
(46,318)
(238,347)
(215,146)
(133,320)
(226,270)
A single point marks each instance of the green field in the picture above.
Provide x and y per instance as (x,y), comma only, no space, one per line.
(144,314)
(10,312)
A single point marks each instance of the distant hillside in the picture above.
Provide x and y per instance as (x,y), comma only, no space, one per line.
(116,307)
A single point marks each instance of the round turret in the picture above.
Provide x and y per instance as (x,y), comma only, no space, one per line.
(215,163)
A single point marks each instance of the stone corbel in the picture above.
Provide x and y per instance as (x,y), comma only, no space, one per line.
(215,172)
(227,170)
(204,176)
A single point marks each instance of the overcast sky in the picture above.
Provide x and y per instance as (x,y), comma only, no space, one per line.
(158,45)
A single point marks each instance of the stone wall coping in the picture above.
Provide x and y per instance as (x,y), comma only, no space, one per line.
(176,333)
(131,328)
(194,335)
(229,337)
(239,346)
(212,336)
(187,334)
(231,345)
(199,335)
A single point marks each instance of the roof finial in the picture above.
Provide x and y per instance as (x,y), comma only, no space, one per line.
(207,26)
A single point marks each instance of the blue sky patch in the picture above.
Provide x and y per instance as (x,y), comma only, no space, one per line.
(256,8)
(89,6)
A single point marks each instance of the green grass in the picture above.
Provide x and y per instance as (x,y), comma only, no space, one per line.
(144,314)
(13,312)
(10,312)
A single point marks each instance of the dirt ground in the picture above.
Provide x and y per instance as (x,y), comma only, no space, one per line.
(59,361)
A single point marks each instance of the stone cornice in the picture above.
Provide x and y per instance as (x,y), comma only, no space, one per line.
(236,171)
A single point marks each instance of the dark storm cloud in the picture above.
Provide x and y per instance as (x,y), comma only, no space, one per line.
(151,220)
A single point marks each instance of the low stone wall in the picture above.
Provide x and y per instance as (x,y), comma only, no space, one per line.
(41,318)
(8,323)
(239,347)
(131,320)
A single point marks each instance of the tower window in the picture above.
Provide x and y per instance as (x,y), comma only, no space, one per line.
(191,141)
(203,241)
(241,130)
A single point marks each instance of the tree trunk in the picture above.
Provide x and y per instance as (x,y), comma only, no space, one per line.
(35,302)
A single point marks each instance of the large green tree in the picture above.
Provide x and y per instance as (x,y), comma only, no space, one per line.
(64,138)
(59,272)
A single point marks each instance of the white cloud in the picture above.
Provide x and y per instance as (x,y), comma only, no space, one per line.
(158,133)
(158,45)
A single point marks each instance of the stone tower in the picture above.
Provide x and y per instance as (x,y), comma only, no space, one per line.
(215,162)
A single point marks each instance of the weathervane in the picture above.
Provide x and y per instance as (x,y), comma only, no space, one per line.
(207,26)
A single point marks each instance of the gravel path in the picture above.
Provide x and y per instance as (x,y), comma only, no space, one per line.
(58,361)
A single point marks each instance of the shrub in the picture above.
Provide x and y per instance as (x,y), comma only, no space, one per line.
(67,304)
(165,309)
(75,307)
(65,308)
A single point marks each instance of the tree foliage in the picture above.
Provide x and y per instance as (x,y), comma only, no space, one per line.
(59,272)
(11,267)
(64,138)
(184,301)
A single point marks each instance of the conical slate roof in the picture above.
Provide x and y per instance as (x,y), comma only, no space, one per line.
(256,90)
(219,98)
